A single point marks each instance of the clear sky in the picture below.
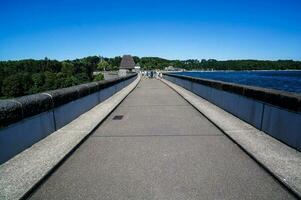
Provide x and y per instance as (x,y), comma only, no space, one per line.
(232,29)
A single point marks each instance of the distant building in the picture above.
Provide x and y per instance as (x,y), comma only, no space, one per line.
(170,68)
(127,64)
(137,68)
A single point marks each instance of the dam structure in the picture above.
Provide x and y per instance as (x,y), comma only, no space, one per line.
(145,138)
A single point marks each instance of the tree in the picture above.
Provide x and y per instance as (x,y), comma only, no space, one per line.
(102,65)
(68,68)
(70,81)
(98,77)
(82,77)
(38,80)
(114,62)
(16,85)
(50,81)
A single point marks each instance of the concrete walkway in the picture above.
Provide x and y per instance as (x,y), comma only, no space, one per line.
(162,148)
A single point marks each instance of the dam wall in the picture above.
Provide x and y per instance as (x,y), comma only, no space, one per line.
(274,112)
(28,119)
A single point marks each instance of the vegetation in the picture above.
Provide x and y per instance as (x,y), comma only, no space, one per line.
(98,77)
(211,64)
(25,77)
(242,64)
(103,65)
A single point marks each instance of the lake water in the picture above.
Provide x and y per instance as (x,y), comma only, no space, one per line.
(289,81)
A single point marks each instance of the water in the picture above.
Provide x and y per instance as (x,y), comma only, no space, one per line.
(289,81)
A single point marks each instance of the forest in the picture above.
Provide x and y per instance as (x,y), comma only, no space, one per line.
(212,64)
(24,77)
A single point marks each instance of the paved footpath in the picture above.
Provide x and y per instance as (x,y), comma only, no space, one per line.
(162,148)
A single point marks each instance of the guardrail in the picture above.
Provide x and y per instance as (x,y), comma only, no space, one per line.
(28,119)
(274,112)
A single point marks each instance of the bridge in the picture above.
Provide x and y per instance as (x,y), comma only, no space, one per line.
(156,140)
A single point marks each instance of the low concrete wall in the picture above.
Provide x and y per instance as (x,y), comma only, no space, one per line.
(108,75)
(26,120)
(274,112)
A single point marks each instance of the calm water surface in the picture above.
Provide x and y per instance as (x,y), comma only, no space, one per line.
(289,81)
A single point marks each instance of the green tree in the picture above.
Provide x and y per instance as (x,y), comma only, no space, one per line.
(50,81)
(82,77)
(103,65)
(68,68)
(70,81)
(98,77)
(38,80)
(16,85)
(60,80)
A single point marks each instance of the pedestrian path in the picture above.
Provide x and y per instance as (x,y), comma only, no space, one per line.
(155,145)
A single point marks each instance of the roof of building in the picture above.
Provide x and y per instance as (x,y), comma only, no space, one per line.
(127,62)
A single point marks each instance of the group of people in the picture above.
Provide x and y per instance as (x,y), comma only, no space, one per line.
(152,74)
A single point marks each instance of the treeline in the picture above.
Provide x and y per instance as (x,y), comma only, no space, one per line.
(23,77)
(211,64)
(242,64)
(18,78)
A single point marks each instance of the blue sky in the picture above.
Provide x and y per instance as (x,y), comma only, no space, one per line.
(233,29)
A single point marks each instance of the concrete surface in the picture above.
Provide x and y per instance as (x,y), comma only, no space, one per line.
(288,125)
(273,112)
(162,148)
(21,173)
(13,140)
(281,160)
(28,119)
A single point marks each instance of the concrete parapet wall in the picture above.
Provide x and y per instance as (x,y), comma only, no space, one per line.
(26,120)
(274,112)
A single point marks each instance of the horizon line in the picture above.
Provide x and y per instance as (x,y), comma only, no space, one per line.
(171,59)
